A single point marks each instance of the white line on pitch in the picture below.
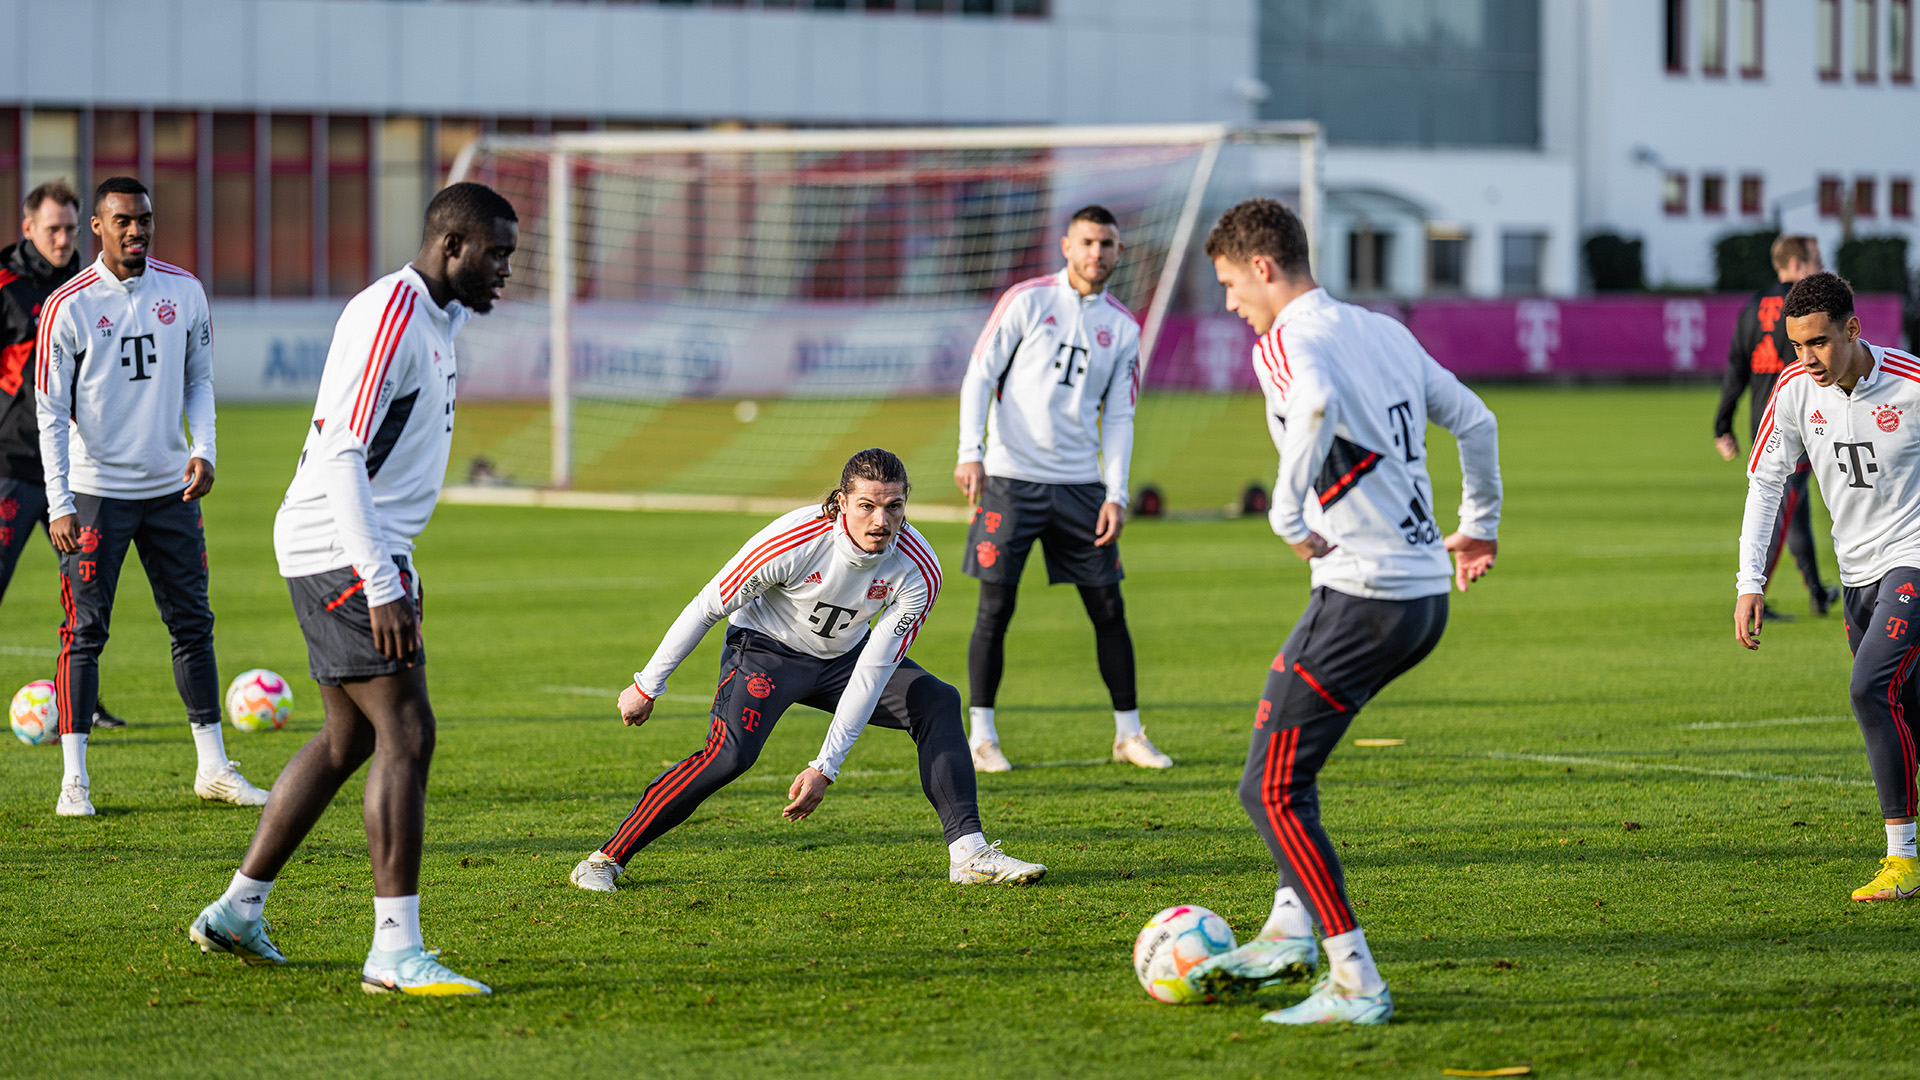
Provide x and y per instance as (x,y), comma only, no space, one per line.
(26,650)
(1733,774)
(1778,721)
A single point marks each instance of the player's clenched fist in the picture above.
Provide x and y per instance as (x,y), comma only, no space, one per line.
(635,705)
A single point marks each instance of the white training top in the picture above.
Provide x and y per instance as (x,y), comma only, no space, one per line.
(376,450)
(123,384)
(803,582)
(1050,391)
(1349,395)
(1865,456)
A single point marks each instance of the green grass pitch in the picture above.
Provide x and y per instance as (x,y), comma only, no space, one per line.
(1516,916)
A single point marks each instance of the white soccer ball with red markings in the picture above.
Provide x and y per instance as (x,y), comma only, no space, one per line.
(259,700)
(1170,945)
(35,720)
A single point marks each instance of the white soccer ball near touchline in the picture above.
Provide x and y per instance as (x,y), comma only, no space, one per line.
(259,700)
(35,720)
(1170,945)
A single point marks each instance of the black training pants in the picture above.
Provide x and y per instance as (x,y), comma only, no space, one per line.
(1343,650)
(173,549)
(22,506)
(1885,644)
(759,680)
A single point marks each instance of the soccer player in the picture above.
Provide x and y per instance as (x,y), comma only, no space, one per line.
(1759,351)
(822,606)
(369,474)
(1349,394)
(1852,409)
(123,391)
(1046,435)
(44,259)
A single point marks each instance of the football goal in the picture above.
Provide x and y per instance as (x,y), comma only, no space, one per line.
(741,310)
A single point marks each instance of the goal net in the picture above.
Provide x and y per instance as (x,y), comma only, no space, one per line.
(743,310)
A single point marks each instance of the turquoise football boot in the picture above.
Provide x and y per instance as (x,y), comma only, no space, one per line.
(218,927)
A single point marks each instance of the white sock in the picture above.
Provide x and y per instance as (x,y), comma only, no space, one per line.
(1289,918)
(246,896)
(1125,724)
(1900,840)
(964,848)
(1351,964)
(396,922)
(980,723)
(212,747)
(73,747)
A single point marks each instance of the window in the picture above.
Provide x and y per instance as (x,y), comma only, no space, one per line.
(1826,38)
(1713,37)
(1369,258)
(290,206)
(176,187)
(116,143)
(1829,196)
(1522,261)
(1900,40)
(1750,195)
(1713,193)
(1866,55)
(10,193)
(1900,198)
(1676,41)
(1673,193)
(1863,197)
(403,184)
(232,207)
(349,199)
(1749,45)
(1446,259)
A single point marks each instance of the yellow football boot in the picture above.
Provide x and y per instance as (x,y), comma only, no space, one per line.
(1898,879)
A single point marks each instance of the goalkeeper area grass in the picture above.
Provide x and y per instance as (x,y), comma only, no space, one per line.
(1612,844)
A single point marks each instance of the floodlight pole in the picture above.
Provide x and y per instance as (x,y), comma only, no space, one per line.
(559,314)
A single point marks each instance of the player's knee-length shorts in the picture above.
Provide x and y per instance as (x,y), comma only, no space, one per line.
(338,626)
(1064,517)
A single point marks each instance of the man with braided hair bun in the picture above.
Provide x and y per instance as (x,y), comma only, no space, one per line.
(822,607)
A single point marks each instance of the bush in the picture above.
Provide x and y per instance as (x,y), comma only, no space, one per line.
(1614,263)
(1743,262)
(1874,264)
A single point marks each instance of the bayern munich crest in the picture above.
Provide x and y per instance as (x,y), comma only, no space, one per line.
(759,685)
(1887,417)
(165,311)
(1104,336)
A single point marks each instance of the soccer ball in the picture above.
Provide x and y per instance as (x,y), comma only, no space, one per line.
(34,718)
(1170,945)
(259,700)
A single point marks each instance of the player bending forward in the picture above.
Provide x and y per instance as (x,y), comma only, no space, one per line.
(1349,394)
(822,605)
(1851,408)
(368,477)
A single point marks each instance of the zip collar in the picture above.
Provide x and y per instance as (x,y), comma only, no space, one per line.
(447,320)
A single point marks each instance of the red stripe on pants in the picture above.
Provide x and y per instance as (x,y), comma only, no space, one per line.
(63,701)
(656,800)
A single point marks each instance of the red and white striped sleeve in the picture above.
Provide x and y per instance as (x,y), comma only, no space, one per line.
(60,344)
(992,354)
(1777,447)
(886,646)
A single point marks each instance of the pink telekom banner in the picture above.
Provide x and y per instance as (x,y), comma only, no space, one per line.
(1530,338)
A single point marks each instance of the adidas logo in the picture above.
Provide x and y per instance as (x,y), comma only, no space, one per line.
(1352,956)
(1906,589)
(1816,418)
(253,899)
(812,579)
(1050,322)
(388,924)
(103,323)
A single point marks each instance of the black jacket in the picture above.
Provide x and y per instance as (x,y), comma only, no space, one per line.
(26,280)
(1760,349)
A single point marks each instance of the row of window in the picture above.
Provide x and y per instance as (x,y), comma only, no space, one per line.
(1731,35)
(1832,193)
(1523,261)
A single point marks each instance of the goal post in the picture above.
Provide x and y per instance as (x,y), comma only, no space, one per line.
(723,296)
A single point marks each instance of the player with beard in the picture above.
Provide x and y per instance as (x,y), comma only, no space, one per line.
(1046,437)
(822,605)
(369,475)
(45,258)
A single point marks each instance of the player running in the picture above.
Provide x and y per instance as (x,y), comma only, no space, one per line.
(1759,351)
(1046,436)
(1850,408)
(1349,394)
(369,475)
(44,259)
(123,392)
(822,606)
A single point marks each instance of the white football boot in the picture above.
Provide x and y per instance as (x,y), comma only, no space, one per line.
(596,873)
(416,971)
(228,785)
(1136,750)
(73,800)
(988,758)
(991,866)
